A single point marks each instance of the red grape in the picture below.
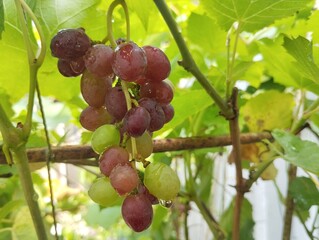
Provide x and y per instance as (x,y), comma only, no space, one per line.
(115,103)
(94,89)
(158,65)
(124,179)
(70,43)
(137,212)
(136,121)
(129,62)
(161,92)
(156,112)
(169,112)
(143,190)
(71,68)
(98,60)
(91,118)
(112,157)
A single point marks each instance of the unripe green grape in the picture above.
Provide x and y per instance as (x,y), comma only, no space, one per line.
(161,181)
(102,192)
(105,136)
(144,145)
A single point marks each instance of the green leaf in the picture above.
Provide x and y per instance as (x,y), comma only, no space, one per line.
(208,30)
(252,15)
(302,153)
(301,49)
(246,220)
(1,18)
(9,207)
(23,226)
(105,217)
(143,9)
(268,110)
(186,104)
(304,192)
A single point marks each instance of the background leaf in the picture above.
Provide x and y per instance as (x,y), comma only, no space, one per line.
(301,49)
(268,110)
(1,18)
(304,154)
(252,14)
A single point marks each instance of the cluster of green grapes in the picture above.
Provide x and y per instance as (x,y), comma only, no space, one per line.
(127,99)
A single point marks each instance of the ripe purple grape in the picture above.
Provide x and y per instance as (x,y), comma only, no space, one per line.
(136,121)
(124,179)
(137,212)
(143,190)
(169,112)
(71,68)
(112,157)
(160,91)
(91,118)
(156,113)
(158,66)
(129,62)
(98,60)
(115,103)
(94,89)
(70,43)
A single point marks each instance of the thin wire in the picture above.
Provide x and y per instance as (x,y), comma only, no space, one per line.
(48,159)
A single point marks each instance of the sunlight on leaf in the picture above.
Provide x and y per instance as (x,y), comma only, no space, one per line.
(252,14)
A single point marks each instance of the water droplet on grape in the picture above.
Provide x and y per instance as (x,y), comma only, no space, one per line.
(166,204)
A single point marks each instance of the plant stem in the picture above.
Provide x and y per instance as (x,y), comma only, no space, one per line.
(21,161)
(290,205)
(240,191)
(188,62)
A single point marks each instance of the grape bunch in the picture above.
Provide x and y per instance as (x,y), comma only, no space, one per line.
(128,98)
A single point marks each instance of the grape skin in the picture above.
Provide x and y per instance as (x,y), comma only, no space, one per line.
(98,60)
(161,181)
(70,43)
(105,136)
(71,68)
(124,179)
(156,112)
(112,157)
(129,62)
(160,91)
(169,112)
(115,103)
(137,212)
(91,118)
(136,121)
(144,145)
(94,89)
(158,66)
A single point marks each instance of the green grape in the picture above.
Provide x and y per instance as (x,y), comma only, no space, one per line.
(161,181)
(144,145)
(105,136)
(102,192)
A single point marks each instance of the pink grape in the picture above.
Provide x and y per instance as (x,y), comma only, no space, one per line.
(112,157)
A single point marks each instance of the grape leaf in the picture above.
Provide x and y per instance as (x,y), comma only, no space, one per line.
(302,153)
(252,14)
(1,18)
(268,110)
(143,9)
(304,192)
(301,49)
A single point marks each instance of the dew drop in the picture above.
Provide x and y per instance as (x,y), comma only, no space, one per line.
(166,204)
